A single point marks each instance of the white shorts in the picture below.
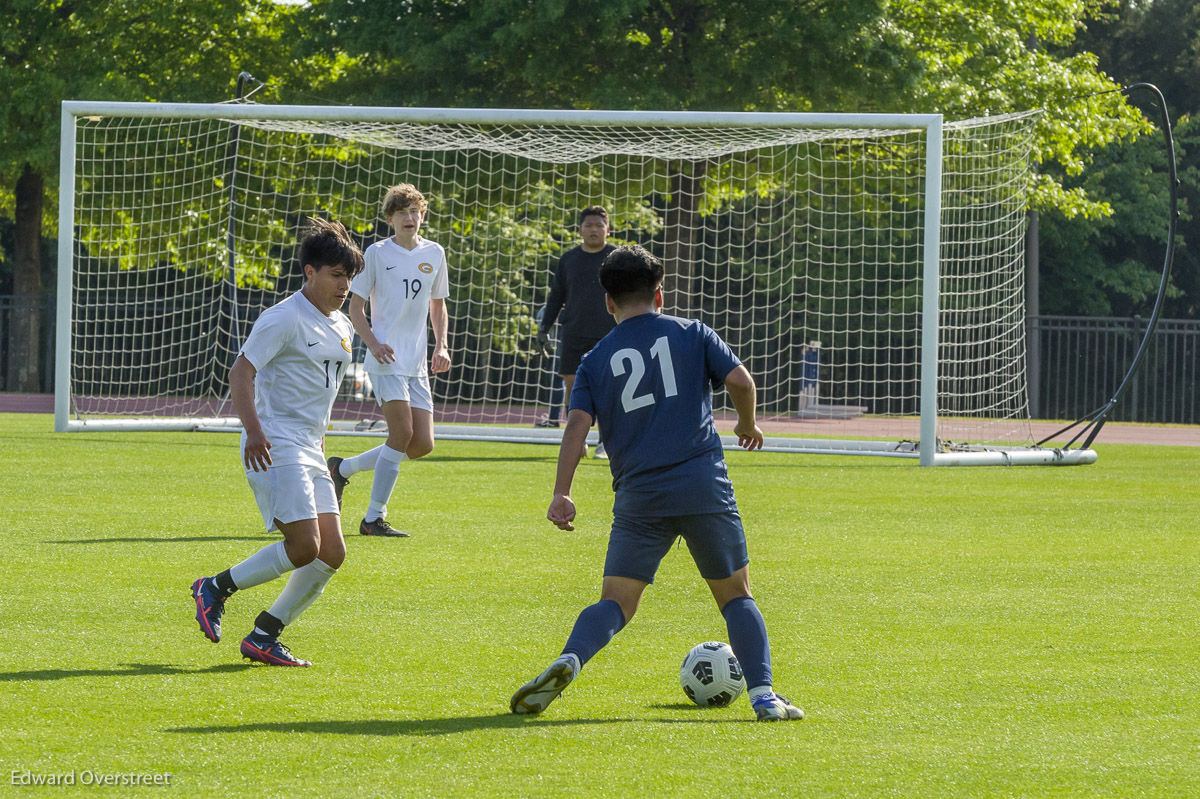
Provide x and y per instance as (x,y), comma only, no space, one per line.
(413,390)
(292,492)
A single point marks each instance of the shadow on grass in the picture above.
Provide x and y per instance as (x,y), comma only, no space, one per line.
(386,727)
(549,456)
(688,709)
(166,539)
(126,670)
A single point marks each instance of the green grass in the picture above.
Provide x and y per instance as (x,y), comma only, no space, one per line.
(949,632)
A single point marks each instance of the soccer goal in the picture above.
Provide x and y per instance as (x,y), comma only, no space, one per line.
(868,268)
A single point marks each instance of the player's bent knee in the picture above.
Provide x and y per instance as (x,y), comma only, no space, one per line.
(302,551)
(400,443)
(415,451)
(302,554)
(334,558)
(333,552)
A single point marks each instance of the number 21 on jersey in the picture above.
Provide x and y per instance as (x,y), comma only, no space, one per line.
(661,352)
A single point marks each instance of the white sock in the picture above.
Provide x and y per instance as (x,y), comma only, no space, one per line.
(387,469)
(362,462)
(263,566)
(303,587)
(761,690)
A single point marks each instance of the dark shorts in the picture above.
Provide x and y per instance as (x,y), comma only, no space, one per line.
(638,544)
(571,351)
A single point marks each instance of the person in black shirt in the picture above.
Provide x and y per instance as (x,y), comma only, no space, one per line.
(575,291)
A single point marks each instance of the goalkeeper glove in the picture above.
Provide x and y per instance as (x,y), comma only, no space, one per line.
(543,342)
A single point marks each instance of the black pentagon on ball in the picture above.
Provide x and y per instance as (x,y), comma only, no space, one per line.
(687,689)
(720,700)
(735,669)
(704,672)
(713,646)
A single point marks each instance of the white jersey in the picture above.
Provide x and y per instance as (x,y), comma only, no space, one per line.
(399,284)
(300,356)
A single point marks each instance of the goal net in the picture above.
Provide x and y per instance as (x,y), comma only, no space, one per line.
(868,269)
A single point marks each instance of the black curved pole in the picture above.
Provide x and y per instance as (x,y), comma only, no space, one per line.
(1096,419)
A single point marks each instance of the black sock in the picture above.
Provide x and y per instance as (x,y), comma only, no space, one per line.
(224,583)
(270,625)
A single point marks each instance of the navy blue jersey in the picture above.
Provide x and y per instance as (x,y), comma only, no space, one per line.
(648,384)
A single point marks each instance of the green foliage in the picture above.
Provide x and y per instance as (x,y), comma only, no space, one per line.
(960,58)
(764,55)
(132,50)
(942,637)
(1112,266)
(985,57)
(1157,42)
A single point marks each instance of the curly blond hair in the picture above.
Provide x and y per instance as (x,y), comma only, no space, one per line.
(402,196)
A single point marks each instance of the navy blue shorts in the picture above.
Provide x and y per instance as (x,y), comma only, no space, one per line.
(638,544)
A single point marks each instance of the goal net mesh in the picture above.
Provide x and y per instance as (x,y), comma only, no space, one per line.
(801,247)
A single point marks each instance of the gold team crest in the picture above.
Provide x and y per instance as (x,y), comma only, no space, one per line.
(426,268)
(346,345)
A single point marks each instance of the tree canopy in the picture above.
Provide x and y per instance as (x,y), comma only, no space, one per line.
(1112,266)
(957,57)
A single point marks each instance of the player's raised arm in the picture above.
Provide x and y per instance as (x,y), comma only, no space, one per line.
(257,455)
(562,508)
(740,385)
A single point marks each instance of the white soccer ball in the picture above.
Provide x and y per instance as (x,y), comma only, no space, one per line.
(711,675)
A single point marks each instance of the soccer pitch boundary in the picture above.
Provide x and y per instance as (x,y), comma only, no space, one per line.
(948,632)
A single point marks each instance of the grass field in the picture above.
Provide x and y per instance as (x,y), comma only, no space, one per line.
(949,632)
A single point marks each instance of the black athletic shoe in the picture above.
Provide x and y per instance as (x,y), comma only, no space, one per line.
(269,651)
(339,482)
(380,527)
(210,607)
(546,421)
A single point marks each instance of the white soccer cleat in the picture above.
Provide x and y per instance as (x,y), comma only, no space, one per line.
(536,695)
(600,453)
(773,707)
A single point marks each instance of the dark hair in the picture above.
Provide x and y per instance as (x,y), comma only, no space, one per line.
(593,210)
(631,273)
(327,243)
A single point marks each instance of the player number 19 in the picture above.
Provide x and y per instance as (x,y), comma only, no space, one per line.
(661,352)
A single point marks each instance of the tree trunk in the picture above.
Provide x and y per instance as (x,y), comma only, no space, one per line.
(25,323)
(682,238)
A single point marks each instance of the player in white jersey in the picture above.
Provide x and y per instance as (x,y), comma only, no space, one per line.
(283,384)
(405,280)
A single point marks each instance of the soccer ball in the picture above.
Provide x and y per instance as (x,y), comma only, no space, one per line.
(711,675)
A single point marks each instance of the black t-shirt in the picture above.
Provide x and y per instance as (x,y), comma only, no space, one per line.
(576,291)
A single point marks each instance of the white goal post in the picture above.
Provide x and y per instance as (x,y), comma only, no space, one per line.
(868,268)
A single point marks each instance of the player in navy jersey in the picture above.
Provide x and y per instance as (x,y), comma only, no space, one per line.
(283,384)
(648,385)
